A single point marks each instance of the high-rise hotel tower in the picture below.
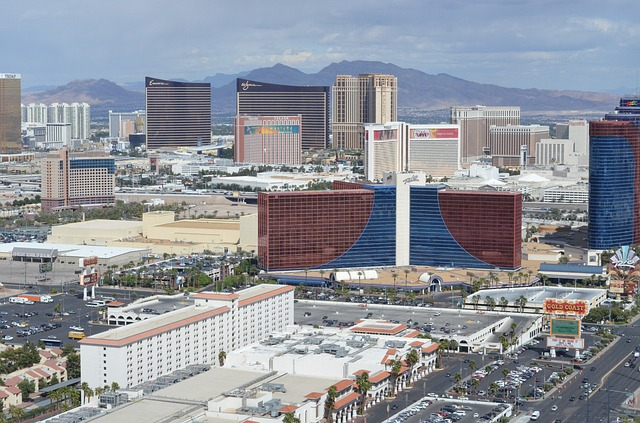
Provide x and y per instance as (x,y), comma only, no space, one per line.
(178,113)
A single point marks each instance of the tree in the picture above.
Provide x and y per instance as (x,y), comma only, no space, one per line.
(16,413)
(504,303)
(489,302)
(86,390)
(330,403)
(563,259)
(290,418)
(27,387)
(412,358)
(475,383)
(406,277)
(73,365)
(494,388)
(394,275)
(115,386)
(472,365)
(458,378)
(396,365)
(453,345)
(222,356)
(364,385)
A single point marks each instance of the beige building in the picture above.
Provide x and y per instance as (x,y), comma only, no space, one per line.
(474,124)
(161,233)
(356,100)
(515,145)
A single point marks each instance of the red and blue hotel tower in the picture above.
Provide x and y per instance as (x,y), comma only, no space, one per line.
(614,177)
(355,226)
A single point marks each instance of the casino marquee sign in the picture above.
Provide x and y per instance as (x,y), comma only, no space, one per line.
(565,307)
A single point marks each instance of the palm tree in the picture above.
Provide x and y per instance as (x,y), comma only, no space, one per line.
(222,356)
(472,365)
(360,280)
(494,388)
(490,303)
(394,275)
(411,358)
(290,418)
(476,301)
(443,345)
(16,413)
(329,403)
(364,385)
(522,302)
(475,383)
(86,390)
(406,277)
(504,303)
(115,386)
(453,345)
(458,378)
(396,365)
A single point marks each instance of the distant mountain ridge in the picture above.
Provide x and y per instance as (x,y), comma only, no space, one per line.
(416,90)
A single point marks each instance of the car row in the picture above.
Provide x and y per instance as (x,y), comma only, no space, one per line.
(32,330)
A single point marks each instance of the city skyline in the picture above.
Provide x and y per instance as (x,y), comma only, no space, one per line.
(573,45)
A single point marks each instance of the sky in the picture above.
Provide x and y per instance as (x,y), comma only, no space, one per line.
(558,44)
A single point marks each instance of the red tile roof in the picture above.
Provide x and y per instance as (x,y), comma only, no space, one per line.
(378,377)
(342,385)
(288,409)
(431,348)
(314,395)
(343,402)
(416,344)
(412,334)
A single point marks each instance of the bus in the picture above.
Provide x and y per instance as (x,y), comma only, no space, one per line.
(48,342)
(76,335)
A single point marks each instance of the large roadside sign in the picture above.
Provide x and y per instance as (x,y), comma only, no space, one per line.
(565,307)
(576,344)
(565,327)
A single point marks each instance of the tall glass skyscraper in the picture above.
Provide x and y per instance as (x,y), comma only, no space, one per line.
(10,114)
(614,177)
(178,113)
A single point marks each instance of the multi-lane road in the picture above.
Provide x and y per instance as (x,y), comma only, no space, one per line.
(616,384)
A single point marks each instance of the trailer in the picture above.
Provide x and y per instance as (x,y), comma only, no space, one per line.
(36,298)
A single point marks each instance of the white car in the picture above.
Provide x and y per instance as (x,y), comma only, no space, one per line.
(78,328)
(7,338)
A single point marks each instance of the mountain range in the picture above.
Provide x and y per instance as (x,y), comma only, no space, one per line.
(416,90)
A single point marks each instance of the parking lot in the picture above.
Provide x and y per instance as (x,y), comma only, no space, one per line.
(432,409)
(20,323)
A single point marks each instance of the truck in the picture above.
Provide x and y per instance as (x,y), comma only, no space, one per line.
(37,298)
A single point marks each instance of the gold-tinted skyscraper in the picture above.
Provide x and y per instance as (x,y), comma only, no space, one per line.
(10,142)
(366,98)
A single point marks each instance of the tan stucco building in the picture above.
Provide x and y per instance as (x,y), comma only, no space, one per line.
(161,233)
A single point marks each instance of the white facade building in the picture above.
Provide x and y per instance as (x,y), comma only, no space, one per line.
(34,113)
(216,322)
(401,147)
(434,149)
(76,114)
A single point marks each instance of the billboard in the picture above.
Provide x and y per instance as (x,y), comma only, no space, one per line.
(88,261)
(566,307)
(385,134)
(90,279)
(433,133)
(573,343)
(565,327)
(271,129)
